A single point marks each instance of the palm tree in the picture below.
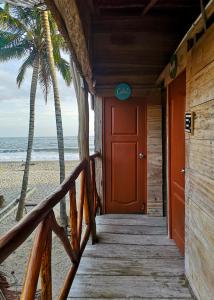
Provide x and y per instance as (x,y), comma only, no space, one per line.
(49,25)
(22,37)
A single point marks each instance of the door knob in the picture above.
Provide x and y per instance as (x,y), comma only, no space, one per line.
(182,170)
(141,155)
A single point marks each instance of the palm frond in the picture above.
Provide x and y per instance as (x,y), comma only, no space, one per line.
(15,51)
(8,39)
(64,68)
(22,71)
(9,23)
(58,41)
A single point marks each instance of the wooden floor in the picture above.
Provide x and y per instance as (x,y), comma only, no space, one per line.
(134,259)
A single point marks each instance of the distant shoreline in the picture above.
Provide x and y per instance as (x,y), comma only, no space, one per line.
(37,161)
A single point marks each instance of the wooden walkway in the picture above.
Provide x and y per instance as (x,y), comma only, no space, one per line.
(134,259)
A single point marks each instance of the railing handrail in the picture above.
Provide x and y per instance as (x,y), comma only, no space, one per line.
(20,232)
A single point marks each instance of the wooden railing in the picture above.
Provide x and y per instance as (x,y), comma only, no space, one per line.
(42,218)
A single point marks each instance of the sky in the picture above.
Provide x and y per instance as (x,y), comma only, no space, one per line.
(14,106)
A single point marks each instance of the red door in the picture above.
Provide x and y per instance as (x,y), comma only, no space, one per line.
(177,96)
(125,155)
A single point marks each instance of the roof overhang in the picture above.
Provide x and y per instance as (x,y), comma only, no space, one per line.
(26,3)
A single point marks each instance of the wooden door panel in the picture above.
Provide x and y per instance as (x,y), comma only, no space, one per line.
(177,95)
(119,120)
(125,138)
(120,170)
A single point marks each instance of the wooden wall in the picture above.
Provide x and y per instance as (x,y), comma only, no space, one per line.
(154,160)
(199,257)
(154,147)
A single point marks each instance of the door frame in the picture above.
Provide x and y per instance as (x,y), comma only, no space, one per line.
(104,99)
(169,131)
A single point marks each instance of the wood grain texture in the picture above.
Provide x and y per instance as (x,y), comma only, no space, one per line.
(183,55)
(98,128)
(201,248)
(35,260)
(199,179)
(72,23)
(140,229)
(133,239)
(200,87)
(45,271)
(204,121)
(201,157)
(201,53)
(130,266)
(154,160)
(135,217)
(135,298)
(142,220)
(123,287)
(134,251)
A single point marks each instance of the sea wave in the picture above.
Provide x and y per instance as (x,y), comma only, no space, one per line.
(45,148)
(69,150)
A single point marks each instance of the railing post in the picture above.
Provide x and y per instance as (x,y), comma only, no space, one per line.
(45,272)
(73,221)
(93,184)
(34,265)
(81,206)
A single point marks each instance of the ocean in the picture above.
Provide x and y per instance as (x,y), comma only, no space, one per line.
(44,148)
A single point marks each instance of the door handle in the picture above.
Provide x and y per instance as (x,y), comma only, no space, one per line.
(141,155)
(182,171)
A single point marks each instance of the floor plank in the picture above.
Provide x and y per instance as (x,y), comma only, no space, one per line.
(131,239)
(134,259)
(130,217)
(131,298)
(130,251)
(126,286)
(131,267)
(140,229)
(146,221)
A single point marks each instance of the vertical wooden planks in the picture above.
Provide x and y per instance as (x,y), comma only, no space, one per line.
(154,160)
(200,168)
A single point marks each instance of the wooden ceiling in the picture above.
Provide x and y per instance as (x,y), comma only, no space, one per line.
(132,40)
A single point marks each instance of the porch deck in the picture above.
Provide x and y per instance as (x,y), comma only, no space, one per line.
(134,259)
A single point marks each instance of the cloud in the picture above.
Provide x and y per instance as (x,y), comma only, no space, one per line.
(14,106)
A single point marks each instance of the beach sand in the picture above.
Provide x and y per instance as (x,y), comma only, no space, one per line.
(44,177)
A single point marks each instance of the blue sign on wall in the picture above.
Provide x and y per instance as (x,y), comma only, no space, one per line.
(123,91)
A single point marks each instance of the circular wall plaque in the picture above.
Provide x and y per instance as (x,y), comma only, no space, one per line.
(123,91)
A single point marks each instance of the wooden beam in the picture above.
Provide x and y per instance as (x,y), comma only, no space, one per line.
(149,6)
(127,5)
(203,13)
(91,6)
(84,150)
(181,50)
(67,16)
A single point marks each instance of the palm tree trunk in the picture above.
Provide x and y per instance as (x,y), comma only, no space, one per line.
(60,139)
(81,92)
(76,82)
(34,82)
